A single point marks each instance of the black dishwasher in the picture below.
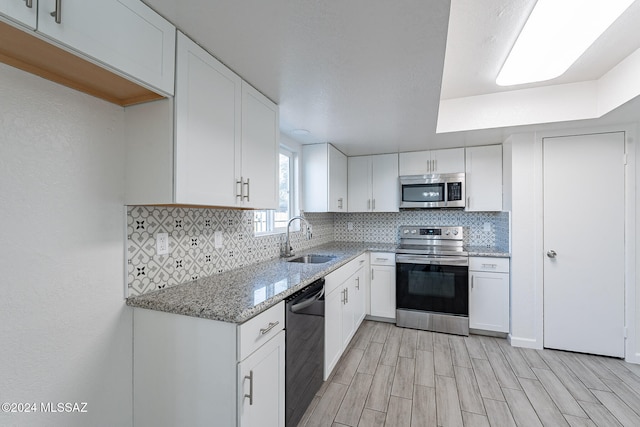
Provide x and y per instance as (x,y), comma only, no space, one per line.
(304,354)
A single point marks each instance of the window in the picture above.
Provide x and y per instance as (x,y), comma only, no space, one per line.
(275,221)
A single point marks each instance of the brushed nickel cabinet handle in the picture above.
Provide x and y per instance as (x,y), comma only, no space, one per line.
(248,188)
(29,3)
(250,395)
(239,190)
(57,14)
(269,327)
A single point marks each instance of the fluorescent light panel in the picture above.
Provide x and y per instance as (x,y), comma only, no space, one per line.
(556,34)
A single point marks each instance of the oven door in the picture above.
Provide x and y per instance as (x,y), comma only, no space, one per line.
(433,284)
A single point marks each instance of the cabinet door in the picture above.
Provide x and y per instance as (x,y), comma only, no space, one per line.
(383,291)
(260,131)
(18,11)
(489,301)
(385,184)
(261,385)
(337,180)
(447,161)
(332,330)
(208,113)
(484,178)
(359,298)
(359,188)
(415,163)
(124,34)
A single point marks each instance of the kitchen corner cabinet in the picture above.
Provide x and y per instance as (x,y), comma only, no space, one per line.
(225,150)
(383,285)
(189,371)
(345,307)
(484,178)
(324,178)
(373,183)
(125,35)
(489,294)
(450,160)
(22,12)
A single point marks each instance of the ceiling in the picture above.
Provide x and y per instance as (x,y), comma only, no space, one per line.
(368,75)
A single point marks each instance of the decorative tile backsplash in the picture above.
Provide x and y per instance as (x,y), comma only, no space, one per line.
(383,227)
(192,253)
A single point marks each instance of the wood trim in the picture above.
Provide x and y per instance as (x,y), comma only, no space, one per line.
(29,53)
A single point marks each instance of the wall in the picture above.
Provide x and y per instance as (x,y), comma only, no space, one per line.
(65,331)
(191,248)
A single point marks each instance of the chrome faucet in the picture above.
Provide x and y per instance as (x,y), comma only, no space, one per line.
(288,250)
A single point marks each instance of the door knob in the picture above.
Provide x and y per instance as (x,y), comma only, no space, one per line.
(551,253)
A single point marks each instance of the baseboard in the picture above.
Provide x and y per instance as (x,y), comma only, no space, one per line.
(524,342)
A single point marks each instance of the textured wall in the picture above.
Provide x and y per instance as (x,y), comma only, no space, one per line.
(191,243)
(65,331)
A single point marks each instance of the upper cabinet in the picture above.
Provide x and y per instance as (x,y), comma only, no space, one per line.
(23,12)
(484,178)
(124,34)
(373,183)
(226,140)
(324,179)
(449,160)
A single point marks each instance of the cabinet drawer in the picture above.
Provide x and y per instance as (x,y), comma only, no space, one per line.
(497,265)
(383,258)
(338,277)
(256,331)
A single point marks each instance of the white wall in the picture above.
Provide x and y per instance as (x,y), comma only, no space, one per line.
(65,333)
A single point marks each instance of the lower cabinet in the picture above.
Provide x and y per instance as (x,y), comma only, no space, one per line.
(383,285)
(489,294)
(345,308)
(189,371)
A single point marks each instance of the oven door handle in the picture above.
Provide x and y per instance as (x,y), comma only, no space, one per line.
(418,259)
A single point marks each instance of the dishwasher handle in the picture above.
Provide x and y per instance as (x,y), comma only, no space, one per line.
(296,308)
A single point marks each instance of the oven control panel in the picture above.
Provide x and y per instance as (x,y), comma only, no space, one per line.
(430,232)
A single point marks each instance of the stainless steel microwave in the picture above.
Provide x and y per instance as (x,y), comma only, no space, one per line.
(433,191)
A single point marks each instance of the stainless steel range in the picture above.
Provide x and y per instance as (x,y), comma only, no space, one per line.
(432,276)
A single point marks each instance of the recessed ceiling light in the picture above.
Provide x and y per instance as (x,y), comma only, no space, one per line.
(300,132)
(556,34)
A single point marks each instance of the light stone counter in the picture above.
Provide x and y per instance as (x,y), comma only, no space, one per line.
(238,295)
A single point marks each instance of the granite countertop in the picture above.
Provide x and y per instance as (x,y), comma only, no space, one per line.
(238,295)
(485,251)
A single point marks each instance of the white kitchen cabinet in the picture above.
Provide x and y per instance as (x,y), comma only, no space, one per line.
(324,178)
(24,12)
(383,285)
(345,290)
(373,183)
(126,35)
(188,371)
(484,178)
(450,160)
(225,150)
(489,294)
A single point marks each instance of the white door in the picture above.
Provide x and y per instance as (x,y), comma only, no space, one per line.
(450,160)
(337,180)
(208,113)
(385,185)
(383,291)
(260,131)
(359,183)
(484,178)
(584,243)
(332,330)
(24,12)
(124,34)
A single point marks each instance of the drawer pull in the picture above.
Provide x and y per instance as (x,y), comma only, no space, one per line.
(250,395)
(382,259)
(489,265)
(269,327)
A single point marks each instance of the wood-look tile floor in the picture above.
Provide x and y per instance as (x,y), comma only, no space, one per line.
(391,376)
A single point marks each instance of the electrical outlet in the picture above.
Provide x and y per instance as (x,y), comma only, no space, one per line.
(349,226)
(486,227)
(217,239)
(162,243)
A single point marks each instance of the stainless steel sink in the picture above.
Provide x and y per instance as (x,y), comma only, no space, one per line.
(313,259)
